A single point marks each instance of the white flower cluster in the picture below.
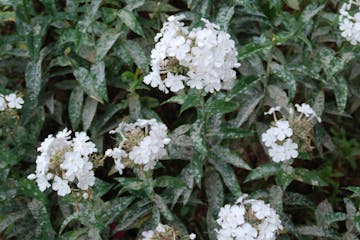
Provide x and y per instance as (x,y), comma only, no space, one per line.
(10,101)
(350,23)
(65,160)
(143,143)
(248,219)
(201,58)
(278,138)
(163,232)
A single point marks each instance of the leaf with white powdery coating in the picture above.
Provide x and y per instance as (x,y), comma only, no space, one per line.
(129,19)
(226,155)
(228,175)
(93,82)
(263,171)
(215,196)
(75,106)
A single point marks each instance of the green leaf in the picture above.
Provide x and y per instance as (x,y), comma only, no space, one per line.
(357,223)
(341,93)
(309,177)
(42,216)
(286,75)
(7,16)
(355,190)
(224,16)
(90,16)
(136,212)
(263,171)
(88,113)
(130,21)
(110,111)
(285,176)
(163,208)
(215,197)
(253,48)
(196,136)
(310,11)
(106,41)
(101,187)
(11,218)
(168,181)
(220,106)
(131,184)
(242,84)
(33,80)
(297,199)
(323,210)
(226,155)
(227,132)
(114,208)
(93,82)
(137,53)
(335,217)
(75,106)
(192,99)
(228,175)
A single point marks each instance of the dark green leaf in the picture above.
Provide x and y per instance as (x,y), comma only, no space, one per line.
(228,176)
(263,171)
(309,177)
(75,106)
(226,155)
(130,21)
(93,82)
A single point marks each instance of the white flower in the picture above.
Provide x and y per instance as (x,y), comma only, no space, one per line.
(286,151)
(178,48)
(3,104)
(65,161)
(283,130)
(269,137)
(13,101)
(117,154)
(192,236)
(307,111)
(175,82)
(72,163)
(61,186)
(349,24)
(85,178)
(273,110)
(83,145)
(203,58)
(248,219)
(149,150)
(160,228)
(42,183)
(147,235)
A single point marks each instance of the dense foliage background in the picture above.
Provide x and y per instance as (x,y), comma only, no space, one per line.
(80,64)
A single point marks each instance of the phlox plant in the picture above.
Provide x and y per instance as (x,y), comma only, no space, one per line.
(191,119)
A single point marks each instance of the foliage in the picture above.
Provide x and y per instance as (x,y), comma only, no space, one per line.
(80,64)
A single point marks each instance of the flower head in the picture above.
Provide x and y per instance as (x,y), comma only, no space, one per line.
(143,144)
(248,219)
(349,24)
(201,58)
(13,101)
(65,161)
